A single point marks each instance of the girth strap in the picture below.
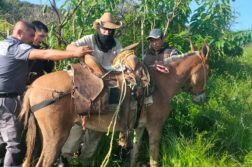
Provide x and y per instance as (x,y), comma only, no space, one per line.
(49,101)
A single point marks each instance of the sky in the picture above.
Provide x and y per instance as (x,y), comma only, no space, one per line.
(244,20)
(242,7)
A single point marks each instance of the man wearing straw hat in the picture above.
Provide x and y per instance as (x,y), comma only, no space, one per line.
(105,48)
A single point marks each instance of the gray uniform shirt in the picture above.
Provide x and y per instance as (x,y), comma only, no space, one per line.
(13,65)
(104,58)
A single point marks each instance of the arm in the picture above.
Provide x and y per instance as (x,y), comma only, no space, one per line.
(84,41)
(51,54)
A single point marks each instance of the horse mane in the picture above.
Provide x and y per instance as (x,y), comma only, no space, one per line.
(179,57)
(186,61)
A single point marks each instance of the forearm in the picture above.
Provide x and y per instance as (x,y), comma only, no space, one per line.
(50,54)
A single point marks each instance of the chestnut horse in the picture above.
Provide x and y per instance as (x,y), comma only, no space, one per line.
(187,69)
(54,121)
(191,70)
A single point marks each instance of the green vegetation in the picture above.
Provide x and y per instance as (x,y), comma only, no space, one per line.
(218,133)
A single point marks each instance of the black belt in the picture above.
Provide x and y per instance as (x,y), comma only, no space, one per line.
(8,94)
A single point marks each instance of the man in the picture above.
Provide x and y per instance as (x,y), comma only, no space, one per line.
(38,68)
(158,50)
(15,51)
(105,47)
(154,57)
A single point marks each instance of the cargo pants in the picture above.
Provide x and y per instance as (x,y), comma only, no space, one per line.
(10,131)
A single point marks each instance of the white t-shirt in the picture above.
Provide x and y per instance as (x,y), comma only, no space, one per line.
(105,59)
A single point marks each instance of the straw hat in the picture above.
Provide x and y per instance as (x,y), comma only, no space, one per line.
(107,21)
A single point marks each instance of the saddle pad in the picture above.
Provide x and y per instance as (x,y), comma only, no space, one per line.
(87,88)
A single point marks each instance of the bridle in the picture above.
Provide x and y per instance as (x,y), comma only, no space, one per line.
(200,96)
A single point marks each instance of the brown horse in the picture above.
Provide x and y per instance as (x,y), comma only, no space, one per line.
(191,70)
(187,69)
(54,121)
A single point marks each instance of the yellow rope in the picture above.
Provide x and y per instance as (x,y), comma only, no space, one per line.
(114,121)
(121,57)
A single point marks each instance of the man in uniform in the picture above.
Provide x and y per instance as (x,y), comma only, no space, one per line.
(15,51)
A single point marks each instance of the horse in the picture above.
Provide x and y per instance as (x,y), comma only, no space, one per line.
(186,69)
(52,122)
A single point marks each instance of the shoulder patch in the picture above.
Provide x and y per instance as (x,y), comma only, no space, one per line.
(4,48)
(24,46)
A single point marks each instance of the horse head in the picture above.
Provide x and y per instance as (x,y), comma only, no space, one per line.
(199,76)
(192,69)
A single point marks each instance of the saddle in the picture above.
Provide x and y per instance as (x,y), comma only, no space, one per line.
(87,87)
(88,84)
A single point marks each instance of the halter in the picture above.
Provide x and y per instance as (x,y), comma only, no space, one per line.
(199,97)
(203,62)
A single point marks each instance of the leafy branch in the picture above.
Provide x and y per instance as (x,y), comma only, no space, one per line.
(172,16)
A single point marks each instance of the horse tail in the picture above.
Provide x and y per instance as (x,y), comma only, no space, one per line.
(30,127)
(25,111)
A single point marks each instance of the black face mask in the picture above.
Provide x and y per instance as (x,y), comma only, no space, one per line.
(104,42)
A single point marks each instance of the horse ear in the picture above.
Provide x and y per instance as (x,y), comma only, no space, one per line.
(192,46)
(205,50)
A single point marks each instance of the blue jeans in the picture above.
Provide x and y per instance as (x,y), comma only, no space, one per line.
(10,131)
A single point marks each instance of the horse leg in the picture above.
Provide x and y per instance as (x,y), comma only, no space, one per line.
(55,130)
(136,145)
(154,139)
(51,150)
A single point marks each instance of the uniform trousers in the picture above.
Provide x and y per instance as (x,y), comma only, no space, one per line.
(10,131)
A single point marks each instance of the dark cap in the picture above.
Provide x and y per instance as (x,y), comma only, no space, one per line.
(155,33)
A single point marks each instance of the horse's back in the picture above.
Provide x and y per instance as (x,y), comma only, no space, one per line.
(50,86)
(59,80)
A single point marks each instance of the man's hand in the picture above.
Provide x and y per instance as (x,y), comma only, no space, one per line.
(83,50)
(161,68)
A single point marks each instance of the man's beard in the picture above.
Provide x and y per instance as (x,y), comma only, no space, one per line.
(105,42)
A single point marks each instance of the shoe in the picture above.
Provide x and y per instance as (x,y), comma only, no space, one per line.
(148,100)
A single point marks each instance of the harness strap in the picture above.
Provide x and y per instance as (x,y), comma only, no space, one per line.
(48,101)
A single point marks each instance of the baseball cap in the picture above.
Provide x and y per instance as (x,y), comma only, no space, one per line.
(155,33)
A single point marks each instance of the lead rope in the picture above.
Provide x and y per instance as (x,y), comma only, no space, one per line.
(114,121)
